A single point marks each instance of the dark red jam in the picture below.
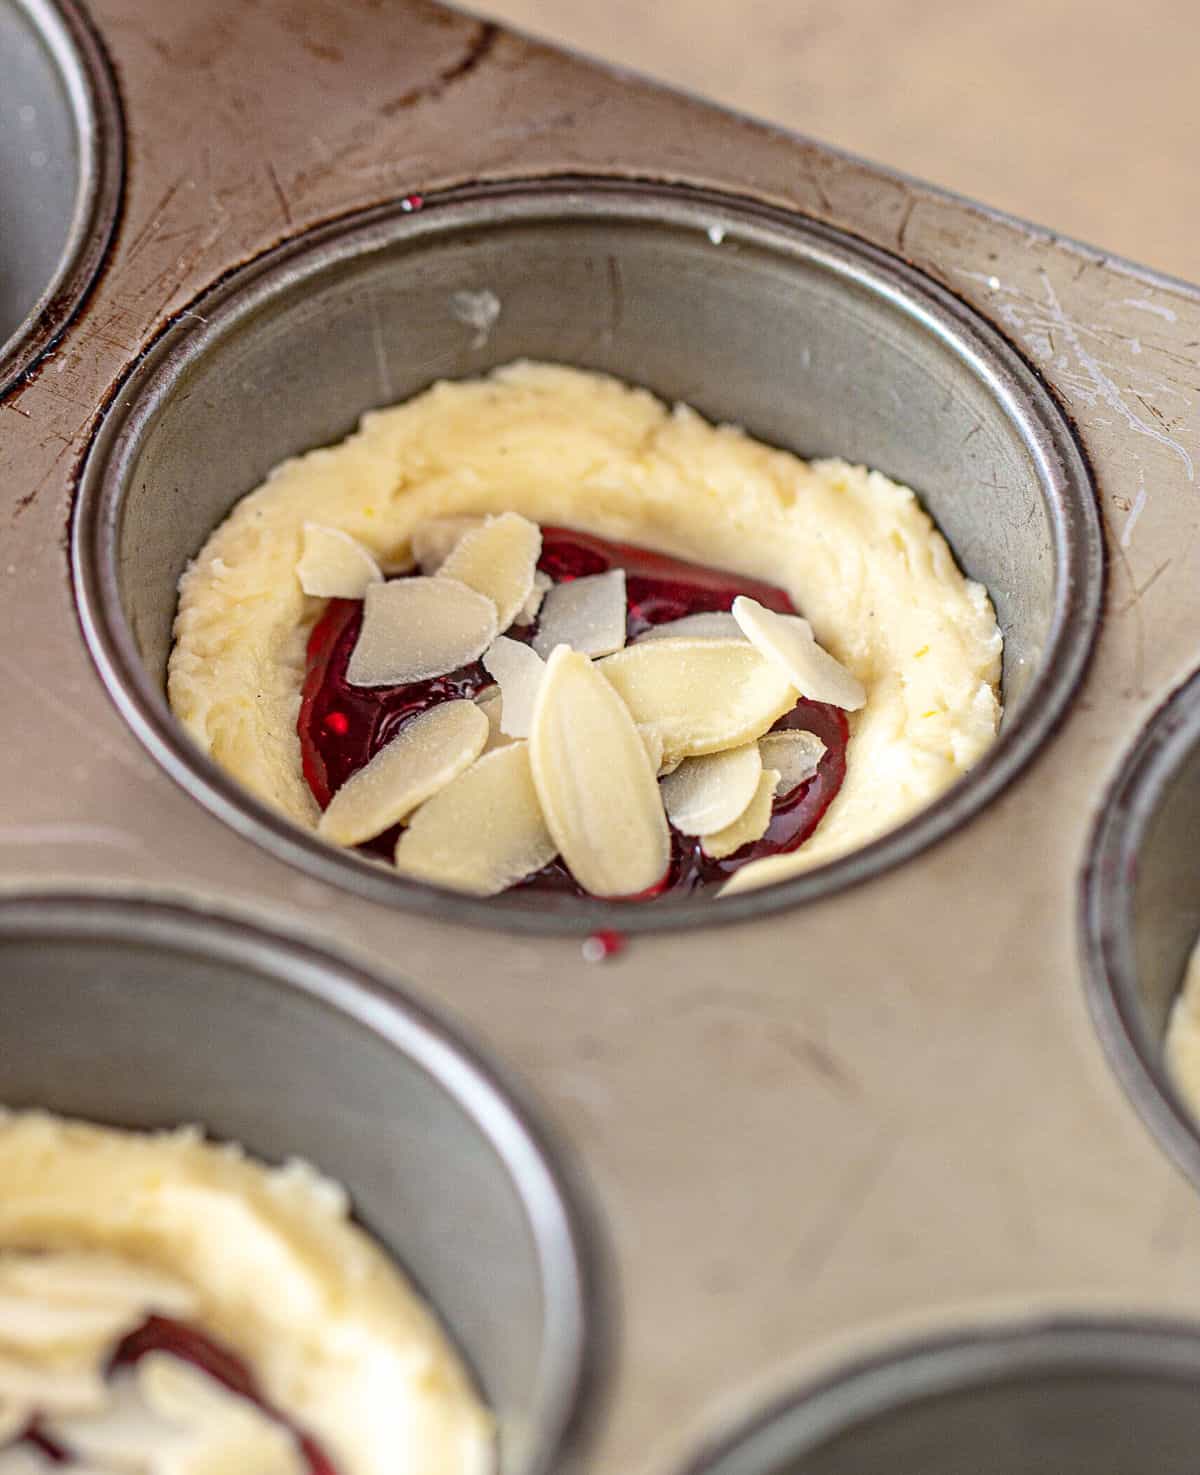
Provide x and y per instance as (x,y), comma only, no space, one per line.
(342,727)
(161,1334)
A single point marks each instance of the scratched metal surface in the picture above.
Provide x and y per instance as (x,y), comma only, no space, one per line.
(893,1113)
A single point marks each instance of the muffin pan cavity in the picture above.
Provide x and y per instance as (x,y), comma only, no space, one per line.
(807,338)
(1079,1398)
(61,151)
(1141,912)
(141,1015)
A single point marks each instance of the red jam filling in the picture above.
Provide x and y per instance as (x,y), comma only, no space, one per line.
(342,727)
(161,1334)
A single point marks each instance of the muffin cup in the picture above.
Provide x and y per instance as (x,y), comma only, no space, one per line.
(61,165)
(137,1014)
(808,338)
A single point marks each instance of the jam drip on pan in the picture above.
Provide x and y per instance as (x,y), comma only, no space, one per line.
(342,727)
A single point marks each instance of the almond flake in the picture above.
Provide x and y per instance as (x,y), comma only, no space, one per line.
(750,825)
(13,1418)
(415,629)
(77,1389)
(529,610)
(498,560)
(701,696)
(491,704)
(593,777)
(334,565)
(94,1278)
(717,624)
(38,1327)
(788,642)
(795,754)
(519,670)
(124,1433)
(587,614)
(707,794)
(482,833)
(429,750)
(432,541)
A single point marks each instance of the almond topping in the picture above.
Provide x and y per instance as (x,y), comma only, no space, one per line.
(491,704)
(717,624)
(498,560)
(750,825)
(529,610)
(482,833)
(53,1389)
(13,1418)
(334,565)
(788,642)
(593,777)
(415,629)
(429,750)
(707,794)
(519,671)
(795,754)
(700,695)
(587,614)
(433,540)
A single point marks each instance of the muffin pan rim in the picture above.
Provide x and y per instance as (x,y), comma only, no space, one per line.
(88,78)
(560,1207)
(1108,968)
(1065,476)
(959,1358)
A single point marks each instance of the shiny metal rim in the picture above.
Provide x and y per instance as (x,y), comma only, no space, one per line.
(803,1422)
(1078,548)
(1106,939)
(95,102)
(557,1204)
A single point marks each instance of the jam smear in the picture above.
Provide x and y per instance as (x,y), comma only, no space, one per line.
(341,727)
(163,1334)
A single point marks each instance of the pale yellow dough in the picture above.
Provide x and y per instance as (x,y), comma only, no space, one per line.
(337,1337)
(856,553)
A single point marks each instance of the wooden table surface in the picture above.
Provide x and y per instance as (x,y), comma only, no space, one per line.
(1077,116)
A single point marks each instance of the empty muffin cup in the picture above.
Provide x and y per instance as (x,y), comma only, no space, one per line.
(139,1015)
(807,338)
(1078,1398)
(1141,913)
(61,163)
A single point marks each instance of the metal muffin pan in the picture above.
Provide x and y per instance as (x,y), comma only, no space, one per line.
(809,339)
(1071,1398)
(146,1015)
(822,1131)
(1141,912)
(61,164)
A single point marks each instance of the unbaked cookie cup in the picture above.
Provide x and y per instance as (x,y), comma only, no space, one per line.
(1140,913)
(61,164)
(809,339)
(139,1014)
(1080,1397)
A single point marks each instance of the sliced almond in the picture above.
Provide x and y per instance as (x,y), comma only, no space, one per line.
(13,1419)
(37,1327)
(707,794)
(788,641)
(482,833)
(519,670)
(795,754)
(124,1433)
(334,565)
(498,560)
(529,610)
(708,625)
(652,742)
(597,790)
(701,696)
(491,704)
(428,751)
(226,1433)
(587,614)
(750,825)
(94,1278)
(75,1389)
(415,629)
(433,540)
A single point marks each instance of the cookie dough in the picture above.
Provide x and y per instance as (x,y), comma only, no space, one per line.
(338,1340)
(856,553)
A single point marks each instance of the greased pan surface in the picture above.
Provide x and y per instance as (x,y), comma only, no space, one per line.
(884,1113)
